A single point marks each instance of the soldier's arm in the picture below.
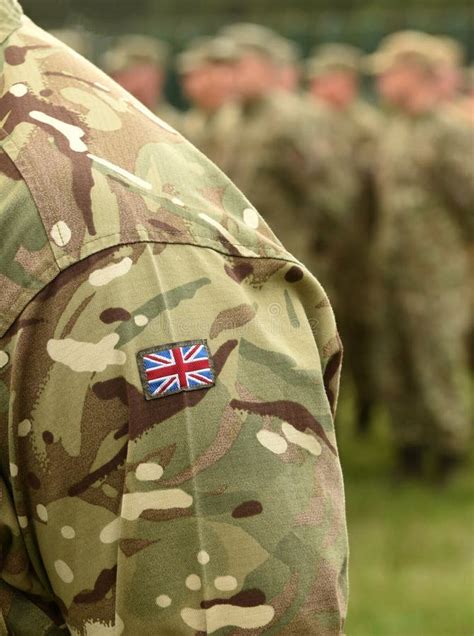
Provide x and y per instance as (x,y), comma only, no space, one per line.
(455,173)
(192,510)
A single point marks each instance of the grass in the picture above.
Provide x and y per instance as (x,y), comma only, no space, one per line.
(412,545)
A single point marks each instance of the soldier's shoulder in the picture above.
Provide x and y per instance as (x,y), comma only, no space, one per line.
(367,115)
(450,127)
(168,113)
(103,171)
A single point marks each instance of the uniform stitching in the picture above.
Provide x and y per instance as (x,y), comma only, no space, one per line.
(26,296)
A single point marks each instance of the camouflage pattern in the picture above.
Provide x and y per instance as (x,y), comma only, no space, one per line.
(212,132)
(218,511)
(426,191)
(344,212)
(271,162)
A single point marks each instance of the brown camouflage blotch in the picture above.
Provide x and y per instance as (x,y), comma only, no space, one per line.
(239,272)
(247,509)
(85,483)
(16,55)
(48,437)
(330,373)
(245,598)
(104,582)
(294,274)
(132,546)
(114,314)
(232,318)
(295,414)
(229,429)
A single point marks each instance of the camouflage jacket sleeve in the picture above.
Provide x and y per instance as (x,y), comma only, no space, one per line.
(212,510)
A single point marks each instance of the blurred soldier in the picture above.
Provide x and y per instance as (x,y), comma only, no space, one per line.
(138,63)
(343,200)
(450,56)
(168,460)
(76,39)
(288,67)
(208,76)
(270,144)
(465,108)
(426,187)
(451,82)
(333,74)
(466,101)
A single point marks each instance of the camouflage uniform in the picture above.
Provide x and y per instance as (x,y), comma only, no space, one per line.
(344,208)
(465,109)
(130,50)
(218,510)
(425,184)
(270,150)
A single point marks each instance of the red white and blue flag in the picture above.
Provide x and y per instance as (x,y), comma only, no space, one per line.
(184,366)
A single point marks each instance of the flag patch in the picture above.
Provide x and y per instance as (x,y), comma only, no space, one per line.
(177,367)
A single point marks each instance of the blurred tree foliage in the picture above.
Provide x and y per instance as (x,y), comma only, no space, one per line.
(360,22)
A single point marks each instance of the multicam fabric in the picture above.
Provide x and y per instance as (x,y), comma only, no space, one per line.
(213,511)
(271,160)
(343,202)
(426,188)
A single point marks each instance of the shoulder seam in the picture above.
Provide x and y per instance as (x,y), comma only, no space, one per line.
(24,298)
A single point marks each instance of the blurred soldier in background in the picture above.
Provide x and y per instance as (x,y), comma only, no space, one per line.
(449,68)
(342,195)
(466,101)
(288,67)
(138,63)
(465,108)
(208,77)
(426,193)
(270,145)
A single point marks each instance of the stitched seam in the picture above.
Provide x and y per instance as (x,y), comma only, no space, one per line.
(24,167)
(25,296)
(13,12)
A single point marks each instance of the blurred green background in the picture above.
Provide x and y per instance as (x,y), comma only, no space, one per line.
(412,546)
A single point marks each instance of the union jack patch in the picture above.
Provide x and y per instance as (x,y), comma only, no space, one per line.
(177,367)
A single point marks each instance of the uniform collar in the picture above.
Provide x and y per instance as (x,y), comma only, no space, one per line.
(10,18)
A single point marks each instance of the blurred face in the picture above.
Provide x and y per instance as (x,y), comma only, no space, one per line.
(337,89)
(395,83)
(143,81)
(408,87)
(288,78)
(211,86)
(449,82)
(256,76)
(194,85)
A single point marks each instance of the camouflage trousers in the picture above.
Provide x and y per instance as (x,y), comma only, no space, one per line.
(422,363)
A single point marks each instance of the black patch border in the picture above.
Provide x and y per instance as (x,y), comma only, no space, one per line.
(156,349)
